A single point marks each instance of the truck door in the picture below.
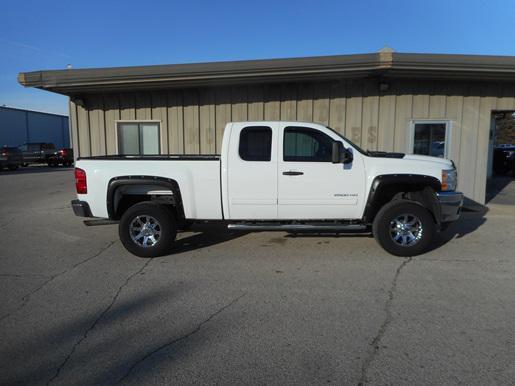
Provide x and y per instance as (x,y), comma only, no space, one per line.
(252,171)
(310,186)
(33,152)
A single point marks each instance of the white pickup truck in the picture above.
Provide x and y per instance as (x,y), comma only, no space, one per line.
(272,175)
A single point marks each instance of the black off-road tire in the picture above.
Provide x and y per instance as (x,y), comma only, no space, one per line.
(381,227)
(167,228)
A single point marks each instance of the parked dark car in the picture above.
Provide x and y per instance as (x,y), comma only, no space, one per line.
(36,152)
(10,157)
(61,157)
(504,159)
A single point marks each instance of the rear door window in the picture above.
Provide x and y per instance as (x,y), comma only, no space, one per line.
(256,143)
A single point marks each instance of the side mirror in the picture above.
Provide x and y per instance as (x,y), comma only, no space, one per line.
(340,154)
(336,156)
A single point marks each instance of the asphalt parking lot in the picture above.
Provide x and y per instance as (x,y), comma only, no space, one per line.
(262,308)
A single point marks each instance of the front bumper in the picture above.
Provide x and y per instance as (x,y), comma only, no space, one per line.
(450,205)
(81,208)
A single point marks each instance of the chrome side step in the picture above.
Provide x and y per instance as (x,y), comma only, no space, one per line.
(320,227)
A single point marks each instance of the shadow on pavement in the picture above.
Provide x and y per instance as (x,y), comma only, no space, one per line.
(472,217)
(121,339)
(329,234)
(205,236)
(501,190)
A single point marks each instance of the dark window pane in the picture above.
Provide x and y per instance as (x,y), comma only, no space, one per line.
(256,143)
(430,139)
(302,144)
(422,138)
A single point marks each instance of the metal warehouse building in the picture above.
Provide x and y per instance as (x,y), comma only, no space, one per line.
(433,104)
(19,126)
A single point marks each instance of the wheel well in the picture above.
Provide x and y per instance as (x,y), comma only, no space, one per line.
(419,192)
(124,192)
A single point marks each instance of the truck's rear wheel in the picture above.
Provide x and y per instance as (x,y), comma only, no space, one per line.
(147,230)
(404,228)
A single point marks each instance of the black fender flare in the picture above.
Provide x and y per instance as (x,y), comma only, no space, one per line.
(117,182)
(423,190)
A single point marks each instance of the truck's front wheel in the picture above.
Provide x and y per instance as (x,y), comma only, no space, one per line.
(147,230)
(404,228)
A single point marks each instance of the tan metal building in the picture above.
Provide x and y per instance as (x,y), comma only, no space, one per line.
(432,104)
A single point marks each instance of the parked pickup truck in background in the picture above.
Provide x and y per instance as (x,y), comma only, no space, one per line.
(61,157)
(36,152)
(288,176)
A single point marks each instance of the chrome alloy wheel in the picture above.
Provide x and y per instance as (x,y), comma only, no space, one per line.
(145,231)
(406,230)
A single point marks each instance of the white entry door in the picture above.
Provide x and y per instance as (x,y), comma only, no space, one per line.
(310,186)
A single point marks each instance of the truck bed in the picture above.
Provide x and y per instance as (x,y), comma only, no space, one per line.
(198,177)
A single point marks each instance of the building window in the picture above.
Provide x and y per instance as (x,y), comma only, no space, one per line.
(256,143)
(138,138)
(302,144)
(430,138)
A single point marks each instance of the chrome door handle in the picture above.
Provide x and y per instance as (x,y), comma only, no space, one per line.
(292,173)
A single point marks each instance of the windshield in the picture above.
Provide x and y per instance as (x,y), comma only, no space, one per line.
(348,141)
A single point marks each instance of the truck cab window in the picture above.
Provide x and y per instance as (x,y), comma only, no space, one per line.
(256,143)
(302,144)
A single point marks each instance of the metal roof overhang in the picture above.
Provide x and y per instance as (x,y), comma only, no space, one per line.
(382,64)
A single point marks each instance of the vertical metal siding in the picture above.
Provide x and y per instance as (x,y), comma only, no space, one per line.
(192,120)
(159,112)
(13,127)
(19,126)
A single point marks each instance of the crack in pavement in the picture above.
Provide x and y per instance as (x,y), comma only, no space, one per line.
(374,344)
(25,299)
(6,223)
(176,340)
(95,322)
(20,275)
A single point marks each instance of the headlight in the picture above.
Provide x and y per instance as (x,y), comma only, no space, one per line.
(449,179)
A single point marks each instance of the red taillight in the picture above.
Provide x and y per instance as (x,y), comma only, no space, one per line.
(62,152)
(5,154)
(81,185)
